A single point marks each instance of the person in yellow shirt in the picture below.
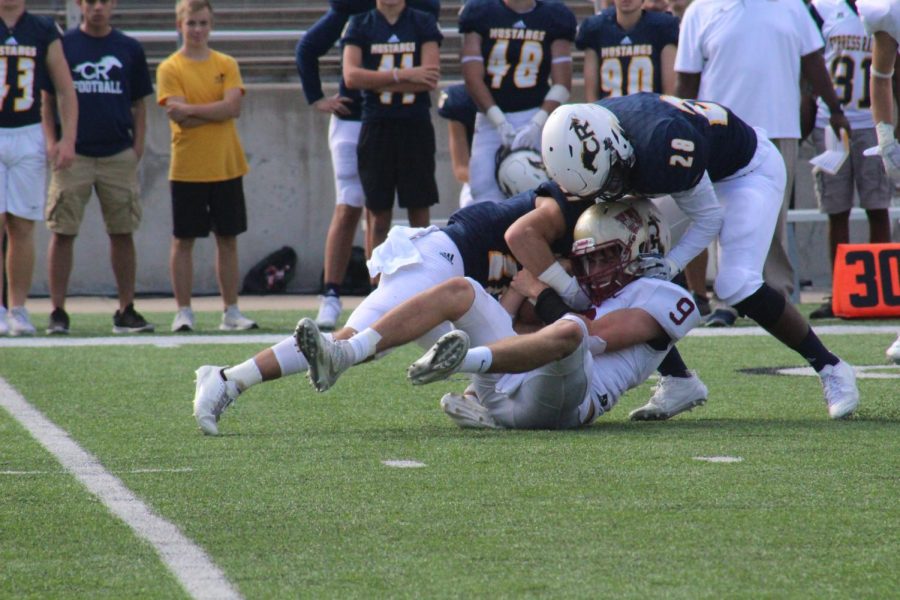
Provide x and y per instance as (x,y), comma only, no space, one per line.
(202,91)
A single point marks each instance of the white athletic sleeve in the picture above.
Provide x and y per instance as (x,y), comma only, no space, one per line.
(706,214)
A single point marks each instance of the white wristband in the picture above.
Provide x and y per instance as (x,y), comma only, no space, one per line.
(539,118)
(881,75)
(495,116)
(557,93)
(557,278)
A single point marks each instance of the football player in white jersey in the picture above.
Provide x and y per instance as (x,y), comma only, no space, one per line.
(563,376)
(882,19)
(848,56)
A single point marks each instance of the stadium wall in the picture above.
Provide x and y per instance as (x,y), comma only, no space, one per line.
(290,199)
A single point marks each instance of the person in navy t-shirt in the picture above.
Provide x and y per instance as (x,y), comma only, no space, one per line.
(31,58)
(111,79)
(392,54)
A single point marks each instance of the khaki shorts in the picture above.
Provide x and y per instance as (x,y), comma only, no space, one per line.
(115,179)
(835,192)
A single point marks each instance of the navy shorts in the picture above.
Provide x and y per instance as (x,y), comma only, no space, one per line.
(201,207)
(396,158)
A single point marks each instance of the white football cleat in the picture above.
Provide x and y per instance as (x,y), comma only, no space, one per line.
(211,397)
(234,320)
(19,322)
(841,393)
(467,412)
(893,351)
(442,360)
(326,358)
(329,312)
(672,396)
(4,325)
(183,321)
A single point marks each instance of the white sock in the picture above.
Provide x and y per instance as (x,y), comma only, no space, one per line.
(477,360)
(289,358)
(362,345)
(244,375)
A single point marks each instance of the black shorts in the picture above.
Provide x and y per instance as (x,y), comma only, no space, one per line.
(396,157)
(201,207)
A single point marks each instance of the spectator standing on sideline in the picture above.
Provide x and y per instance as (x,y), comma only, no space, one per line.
(201,90)
(457,108)
(628,50)
(392,54)
(749,56)
(345,109)
(111,80)
(849,57)
(510,48)
(881,19)
(32,58)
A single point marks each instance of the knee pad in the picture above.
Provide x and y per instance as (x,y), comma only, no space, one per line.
(765,306)
(735,285)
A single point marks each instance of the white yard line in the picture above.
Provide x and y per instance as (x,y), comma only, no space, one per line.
(195,571)
(174,341)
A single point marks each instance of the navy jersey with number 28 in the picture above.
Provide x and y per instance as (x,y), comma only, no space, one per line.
(516,47)
(675,141)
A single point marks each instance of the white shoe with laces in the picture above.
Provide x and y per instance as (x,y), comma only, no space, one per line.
(442,360)
(841,393)
(211,397)
(234,320)
(467,412)
(893,351)
(183,321)
(326,358)
(4,325)
(19,322)
(329,312)
(672,396)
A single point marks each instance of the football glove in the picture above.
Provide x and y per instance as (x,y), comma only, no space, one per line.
(529,136)
(656,266)
(507,134)
(889,150)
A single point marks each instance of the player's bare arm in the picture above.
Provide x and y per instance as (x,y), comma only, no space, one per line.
(459,150)
(67,103)
(591,75)
(473,72)
(687,85)
(530,236)
(813,69)
(627,327)
(333,105)
(667,65)
(410,80)
(139,114)
(560,74)
(884,89)
(48,124)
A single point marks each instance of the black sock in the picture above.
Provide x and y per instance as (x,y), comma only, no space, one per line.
(672,365)
(332,289)
(815,352)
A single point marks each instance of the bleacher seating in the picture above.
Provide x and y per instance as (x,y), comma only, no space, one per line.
(265,60)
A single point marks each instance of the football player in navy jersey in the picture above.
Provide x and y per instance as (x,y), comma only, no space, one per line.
(410,261)
(31,57)
(345,109)
(392,54)
(723,174)
(510,49)
(628,50)
(457,108)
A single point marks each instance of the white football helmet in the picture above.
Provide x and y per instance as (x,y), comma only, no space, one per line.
(609,237)
(519,170)
(585,151)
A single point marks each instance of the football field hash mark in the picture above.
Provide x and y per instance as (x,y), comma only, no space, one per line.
(190,565)
(403,464)
(719,459)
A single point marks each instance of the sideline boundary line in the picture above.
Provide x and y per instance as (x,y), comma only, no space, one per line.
(187,561)
(175,341)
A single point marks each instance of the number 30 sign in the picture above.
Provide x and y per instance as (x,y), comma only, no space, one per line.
(866,281)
